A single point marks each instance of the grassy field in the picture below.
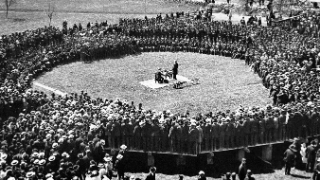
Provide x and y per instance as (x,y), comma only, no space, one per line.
(21,21)
(103,6)
(31,14)
(224,83)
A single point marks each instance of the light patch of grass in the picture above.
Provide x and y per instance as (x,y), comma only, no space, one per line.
(224,83)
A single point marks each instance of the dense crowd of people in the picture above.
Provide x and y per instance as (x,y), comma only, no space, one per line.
(65,137)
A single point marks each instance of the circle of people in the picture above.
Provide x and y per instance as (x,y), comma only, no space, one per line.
(56,136)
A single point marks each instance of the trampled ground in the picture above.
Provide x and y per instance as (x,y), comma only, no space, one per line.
(278,174)
(224,83)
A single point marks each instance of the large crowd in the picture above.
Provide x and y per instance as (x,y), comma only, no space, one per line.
(62,137)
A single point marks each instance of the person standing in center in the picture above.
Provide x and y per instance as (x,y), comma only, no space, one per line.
(175,70)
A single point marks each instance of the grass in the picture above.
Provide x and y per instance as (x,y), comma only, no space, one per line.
(21,21)
(31,14)
(103,6)
(224,83)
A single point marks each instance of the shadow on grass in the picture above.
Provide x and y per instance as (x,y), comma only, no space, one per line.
(300,176)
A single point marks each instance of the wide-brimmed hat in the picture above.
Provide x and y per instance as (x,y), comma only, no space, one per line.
(36,161)
(42,162)
(94,173)
(103,142)
(107,159)
(119,156)
(123,147)
(14,162)
(52,158)
(100,165)
(30,174)
(55,145)
(49,175)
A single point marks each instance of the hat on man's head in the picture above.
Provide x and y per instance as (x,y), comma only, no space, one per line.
(30,174)
(100,165)
(107,159)
(52,158)
(49,176)
(14,162)
(119,156)
(94,173)
(42,162)
(36,161)
(123,147)
(55,145)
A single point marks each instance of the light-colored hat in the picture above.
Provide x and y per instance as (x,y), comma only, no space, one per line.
(107,159)
(52,158)
(30,174)
(49,176)
(42,162)
(14,162)
(103,142)
(123,147)
(36,161)
(55,145)
(119,156)
(100,165)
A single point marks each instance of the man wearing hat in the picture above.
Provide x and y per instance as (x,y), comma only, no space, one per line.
(289,158)
(119,161)
(316,174)
(242,169)
(137,136)
(193,138)
(215,132)
(311,156)
(249,175)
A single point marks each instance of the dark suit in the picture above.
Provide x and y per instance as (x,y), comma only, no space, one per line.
(316,175)
(311,157)
(151,176)
(242,171)
(175,70)
(289,160)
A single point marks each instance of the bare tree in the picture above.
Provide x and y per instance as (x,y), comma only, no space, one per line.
(8,4)
(51,10)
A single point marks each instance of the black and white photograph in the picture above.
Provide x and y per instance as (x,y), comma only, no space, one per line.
(159,89)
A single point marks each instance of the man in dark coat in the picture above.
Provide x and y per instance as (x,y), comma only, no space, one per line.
(289,154)
(316,175)
(311,156)
(249,175)
(175,70)
(242,173)
(119,160)
(152,174)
